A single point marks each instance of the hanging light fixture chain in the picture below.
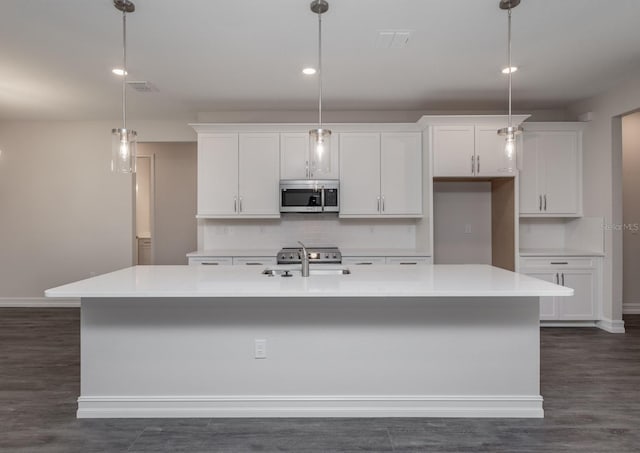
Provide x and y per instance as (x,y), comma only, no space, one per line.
(124,68)
(509,62)
(320,69)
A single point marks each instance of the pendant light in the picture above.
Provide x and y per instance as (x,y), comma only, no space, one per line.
(320,138)
(510,131)
(123,145)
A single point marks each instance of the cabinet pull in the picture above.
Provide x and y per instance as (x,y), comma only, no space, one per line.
(364,263)
(563,279)
(240,204)
(306,168)
(209,263)
(557,279)
(253,264)
(539,202)
(378,204)
(545,201)
(478,165)
(413,262)
(383,203)
(473,164)
(559,262)
(235,204)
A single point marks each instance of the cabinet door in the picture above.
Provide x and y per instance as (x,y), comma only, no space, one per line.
(401,173)
(259,171)
(532,167)
(490,157)
(581,305)
(217,174)
(560,150)
(362,260)
(548,304)
(360,174)
(453,151)
(294,156)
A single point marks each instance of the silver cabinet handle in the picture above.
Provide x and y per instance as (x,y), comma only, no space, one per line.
(253,264)
(563,279)
(557,279)
(559,262)
(235,204)
(545,201)
(413,262)
(383,203)
(478,165)
(208,263)
(539,202)
(364,263)
(378,204)
(240,204)
(306,168)
(473,164)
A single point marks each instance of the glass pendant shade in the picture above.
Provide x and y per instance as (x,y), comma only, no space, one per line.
(320,148)
(123,150)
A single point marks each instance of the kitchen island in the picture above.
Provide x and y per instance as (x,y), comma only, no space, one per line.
(229,341)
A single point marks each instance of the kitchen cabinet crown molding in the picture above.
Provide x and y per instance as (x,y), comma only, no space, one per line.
(479,120)
(204,128)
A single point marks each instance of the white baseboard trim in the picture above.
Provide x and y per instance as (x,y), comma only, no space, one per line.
(631,308)
(568,324)
(515,406)
(39,302)
(610,325)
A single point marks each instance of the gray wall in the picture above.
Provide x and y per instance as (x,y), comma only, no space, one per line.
(174,210)
(631,209)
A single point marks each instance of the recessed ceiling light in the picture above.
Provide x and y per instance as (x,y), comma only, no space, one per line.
(309,71)
(510,70)
(119,71)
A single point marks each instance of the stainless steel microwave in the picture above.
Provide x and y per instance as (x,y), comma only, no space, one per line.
(309,195)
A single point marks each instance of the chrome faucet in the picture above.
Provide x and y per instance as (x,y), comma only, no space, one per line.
(304,260)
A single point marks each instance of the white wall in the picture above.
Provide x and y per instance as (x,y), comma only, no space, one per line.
(462,222)
(631,212)
(175,171)
(63,214)
(602,160)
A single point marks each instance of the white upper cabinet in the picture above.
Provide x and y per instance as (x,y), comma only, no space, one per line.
(469,151)
(401,173)
(381,174)
(217,175)
(238,175)
(258,176)
(551,175)
(360,174)
(296,161)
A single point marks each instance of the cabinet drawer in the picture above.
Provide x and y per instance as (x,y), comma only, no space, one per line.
(557,262)
(210,261)
(363,260)
(254,260)
(408,260)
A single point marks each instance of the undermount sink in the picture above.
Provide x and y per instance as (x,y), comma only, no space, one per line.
(313,271)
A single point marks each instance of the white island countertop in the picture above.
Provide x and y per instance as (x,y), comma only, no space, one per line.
(364,281)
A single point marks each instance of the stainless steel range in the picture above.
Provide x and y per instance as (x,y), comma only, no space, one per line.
(317,255)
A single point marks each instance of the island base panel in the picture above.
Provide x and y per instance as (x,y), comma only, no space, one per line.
(325,357)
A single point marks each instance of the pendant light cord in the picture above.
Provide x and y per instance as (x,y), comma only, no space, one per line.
(319,70)
(124,64)
(509,63)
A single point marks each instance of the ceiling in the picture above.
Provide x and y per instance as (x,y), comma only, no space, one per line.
(206,56)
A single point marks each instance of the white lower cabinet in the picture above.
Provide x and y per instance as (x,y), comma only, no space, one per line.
(582,274)
(210,261)
(400,260)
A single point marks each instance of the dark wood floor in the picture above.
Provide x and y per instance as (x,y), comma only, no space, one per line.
(590,382)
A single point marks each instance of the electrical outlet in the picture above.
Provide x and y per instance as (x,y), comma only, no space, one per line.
(260,349)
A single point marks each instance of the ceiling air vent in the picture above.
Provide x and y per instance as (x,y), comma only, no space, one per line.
(393,39)
(142,86)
